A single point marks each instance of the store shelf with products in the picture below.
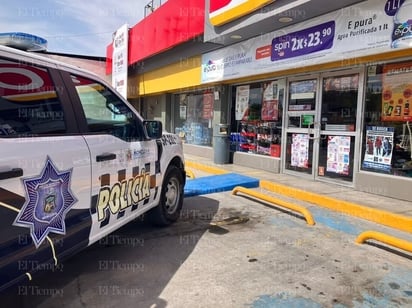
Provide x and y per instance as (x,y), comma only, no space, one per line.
(257,137)
(195,133)
(248,132)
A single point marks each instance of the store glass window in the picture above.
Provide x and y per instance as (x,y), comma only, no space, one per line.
(387,136)
(257,110)
(302,95)
(302,102)
(193,119)
(340,102)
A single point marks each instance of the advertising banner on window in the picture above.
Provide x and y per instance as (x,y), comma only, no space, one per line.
(300,150)
(338,158)
(242,101)
(378,148)
(270,103)
(367,28)
(208,98)
(397,92)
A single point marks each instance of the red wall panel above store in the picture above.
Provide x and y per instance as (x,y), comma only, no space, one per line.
(175,22)
(109,59)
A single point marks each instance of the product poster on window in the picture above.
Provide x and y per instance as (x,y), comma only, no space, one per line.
(208,106)
(300,150)
(338,158)
(270,108)
(378,148)
(397,92)
(191,109)
(242,102)
(182,112)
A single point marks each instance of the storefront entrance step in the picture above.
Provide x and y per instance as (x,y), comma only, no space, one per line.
(217,183)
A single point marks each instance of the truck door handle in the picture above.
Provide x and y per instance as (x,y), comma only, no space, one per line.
(105,156)
(13,173)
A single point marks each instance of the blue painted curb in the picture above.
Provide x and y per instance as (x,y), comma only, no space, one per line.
(218,183)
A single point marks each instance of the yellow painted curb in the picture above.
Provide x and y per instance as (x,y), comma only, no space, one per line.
(395,221)
(384,238)
(294,207)
(205,168)
(190,174)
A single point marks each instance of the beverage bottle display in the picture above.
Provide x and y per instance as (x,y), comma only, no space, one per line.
(402,28)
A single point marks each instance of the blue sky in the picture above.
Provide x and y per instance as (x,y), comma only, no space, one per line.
(82,27)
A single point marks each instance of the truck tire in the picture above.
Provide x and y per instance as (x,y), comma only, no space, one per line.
(171,198)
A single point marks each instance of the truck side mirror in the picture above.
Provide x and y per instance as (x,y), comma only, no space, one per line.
(153,129)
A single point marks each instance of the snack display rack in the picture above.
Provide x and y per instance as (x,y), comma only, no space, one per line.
(258,137)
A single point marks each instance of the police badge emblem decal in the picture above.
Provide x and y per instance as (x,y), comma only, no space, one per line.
(48,199)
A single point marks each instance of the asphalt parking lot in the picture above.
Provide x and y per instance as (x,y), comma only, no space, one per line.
(226,251)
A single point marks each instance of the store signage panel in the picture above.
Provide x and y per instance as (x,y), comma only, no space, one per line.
(363,29)
(215,5)
(224,11)
(120,60)
(307,41)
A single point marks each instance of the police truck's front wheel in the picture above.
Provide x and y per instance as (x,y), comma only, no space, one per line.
(171,199)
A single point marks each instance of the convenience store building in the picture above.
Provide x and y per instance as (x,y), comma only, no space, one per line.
(325,96)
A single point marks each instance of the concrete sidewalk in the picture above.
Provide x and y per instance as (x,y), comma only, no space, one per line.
(382,210)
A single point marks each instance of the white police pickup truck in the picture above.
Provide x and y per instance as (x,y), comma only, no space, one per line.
(76,163)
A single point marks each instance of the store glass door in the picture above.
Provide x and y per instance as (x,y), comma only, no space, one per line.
(322,126)
(302,130)
(338,130)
